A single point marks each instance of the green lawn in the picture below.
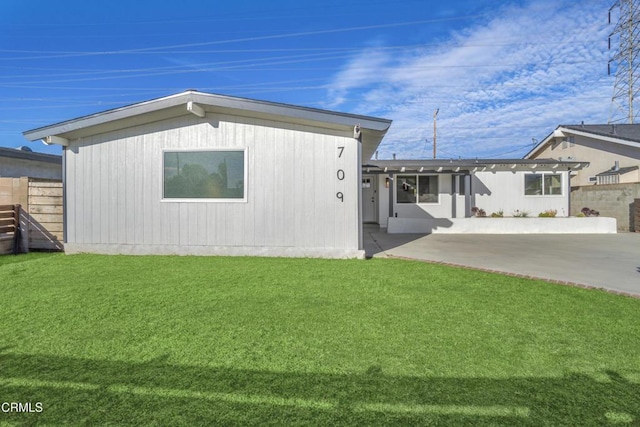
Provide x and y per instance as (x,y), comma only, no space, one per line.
(235,341)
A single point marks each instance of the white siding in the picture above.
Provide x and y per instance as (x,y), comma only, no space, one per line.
(505,191)
(491,191)
(114,191)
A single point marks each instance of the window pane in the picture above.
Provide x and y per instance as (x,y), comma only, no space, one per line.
(553,184)
(406,189)
(427,189)
(533,185)
(204,174)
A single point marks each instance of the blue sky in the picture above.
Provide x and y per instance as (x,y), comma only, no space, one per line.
(502,73)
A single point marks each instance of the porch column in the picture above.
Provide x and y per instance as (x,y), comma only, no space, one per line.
(391,184)
(467,195)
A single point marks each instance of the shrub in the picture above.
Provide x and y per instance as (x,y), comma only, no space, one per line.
(589,212)
(498,214)
(520,214)
(581,215)
(549,213)
(478,212)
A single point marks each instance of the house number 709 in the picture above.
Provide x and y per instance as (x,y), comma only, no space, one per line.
(340,175)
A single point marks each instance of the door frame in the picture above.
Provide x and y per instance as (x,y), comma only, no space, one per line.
(376,196)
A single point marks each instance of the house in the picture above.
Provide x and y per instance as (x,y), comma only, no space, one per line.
(19,162)
(613,152)
(439,196)
(612,183)
(198,173)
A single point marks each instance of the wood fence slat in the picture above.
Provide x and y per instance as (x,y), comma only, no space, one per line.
(45,200)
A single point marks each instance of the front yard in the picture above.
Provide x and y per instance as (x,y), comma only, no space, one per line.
(236,341)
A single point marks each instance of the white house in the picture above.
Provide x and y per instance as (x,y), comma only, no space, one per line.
(438,196)
(197,173)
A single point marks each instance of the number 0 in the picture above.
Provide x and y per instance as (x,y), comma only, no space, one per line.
(340,174)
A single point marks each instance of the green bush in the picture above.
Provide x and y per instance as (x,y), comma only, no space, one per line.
(549,213)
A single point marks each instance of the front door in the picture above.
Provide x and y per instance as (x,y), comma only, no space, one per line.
(369,199)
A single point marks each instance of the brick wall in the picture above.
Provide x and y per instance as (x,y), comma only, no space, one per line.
(615,200)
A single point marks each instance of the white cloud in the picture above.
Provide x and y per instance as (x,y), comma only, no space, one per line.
(498,84)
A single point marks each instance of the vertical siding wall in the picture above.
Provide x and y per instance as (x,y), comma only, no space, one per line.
(505,191)
(491,191)
(114,191)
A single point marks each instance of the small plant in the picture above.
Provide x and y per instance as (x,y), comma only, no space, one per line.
(520,214)
(581,215)
(498,214)
(589,212)
(478,212)
(549,213)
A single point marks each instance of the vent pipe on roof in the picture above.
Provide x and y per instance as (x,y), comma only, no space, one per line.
(376,154)
(394,156)
(613,129)
(616,165)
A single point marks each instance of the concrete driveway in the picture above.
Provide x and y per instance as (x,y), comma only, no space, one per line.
(610,261)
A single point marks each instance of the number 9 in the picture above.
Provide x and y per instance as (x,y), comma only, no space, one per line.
(340,196)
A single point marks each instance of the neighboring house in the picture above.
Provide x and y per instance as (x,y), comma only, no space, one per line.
(197,173)
(611,184)
(19,162)
(439,195)
(613,152)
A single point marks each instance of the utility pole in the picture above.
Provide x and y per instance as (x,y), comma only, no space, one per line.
(435,115)
(625,57)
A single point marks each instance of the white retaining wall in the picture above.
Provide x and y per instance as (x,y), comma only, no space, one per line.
(571,225)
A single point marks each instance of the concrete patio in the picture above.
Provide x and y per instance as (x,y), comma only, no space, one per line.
(609,261)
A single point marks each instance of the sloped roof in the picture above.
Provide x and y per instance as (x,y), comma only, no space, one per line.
(620,171)
(373,129)
(624,134)
(629,132)
(13,153)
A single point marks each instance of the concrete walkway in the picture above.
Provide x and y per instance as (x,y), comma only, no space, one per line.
(609,261)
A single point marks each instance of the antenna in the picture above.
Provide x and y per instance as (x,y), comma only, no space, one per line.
(625,58)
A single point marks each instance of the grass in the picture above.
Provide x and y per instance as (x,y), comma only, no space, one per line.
(256,341)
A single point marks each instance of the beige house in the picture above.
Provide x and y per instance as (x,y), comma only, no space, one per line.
(611,183)
(613,152)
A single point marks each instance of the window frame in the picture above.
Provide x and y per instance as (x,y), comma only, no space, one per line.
(245,159)
(542,176)
(417,194)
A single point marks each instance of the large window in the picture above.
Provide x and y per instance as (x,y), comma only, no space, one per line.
(417,189)
(543,184)
(210,174)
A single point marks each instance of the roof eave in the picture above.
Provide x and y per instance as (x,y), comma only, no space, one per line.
(210,103)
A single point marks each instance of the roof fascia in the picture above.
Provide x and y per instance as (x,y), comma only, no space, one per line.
(212,102)
(587,134)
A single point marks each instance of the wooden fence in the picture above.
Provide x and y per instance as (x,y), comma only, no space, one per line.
(42,210)
(9,229)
